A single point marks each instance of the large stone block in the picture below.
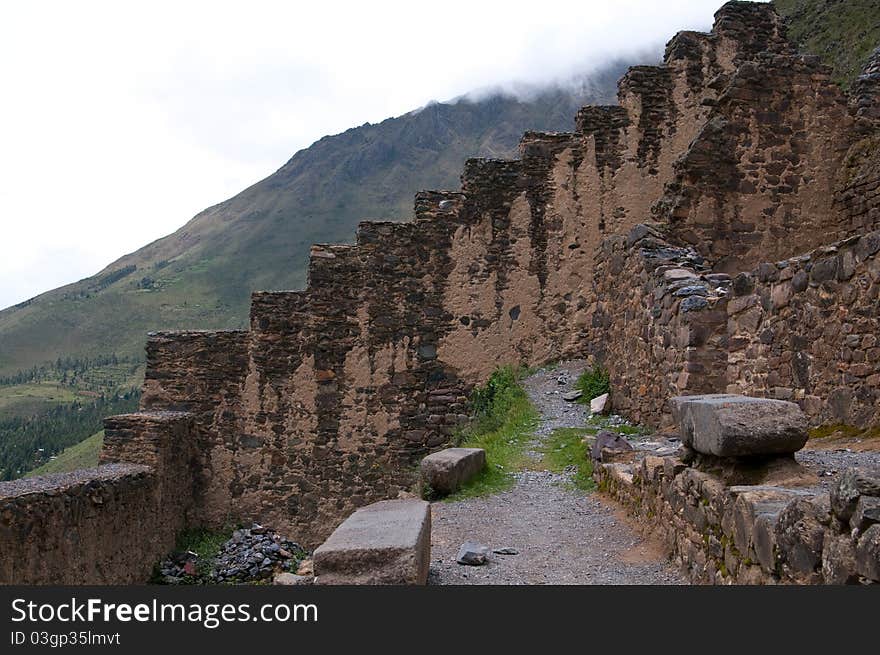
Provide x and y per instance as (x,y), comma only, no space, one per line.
(388,542)
(728,425)
(447,470)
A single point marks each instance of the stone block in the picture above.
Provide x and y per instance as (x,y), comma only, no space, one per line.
(852,484)
(800,538)
(727,425)
(868,553)
(839,560)
(447,470)
(388,542)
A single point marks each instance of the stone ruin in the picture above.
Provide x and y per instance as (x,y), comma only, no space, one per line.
(714,232)
(780,527)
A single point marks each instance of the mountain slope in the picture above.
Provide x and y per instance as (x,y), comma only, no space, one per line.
(202,275)
(842,32)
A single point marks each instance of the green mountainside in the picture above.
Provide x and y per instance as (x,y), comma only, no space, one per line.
(202,275)
(842,32)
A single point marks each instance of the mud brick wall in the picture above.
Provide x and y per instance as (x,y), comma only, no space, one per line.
(808,329)
(758,181)
(104,525)
(663,333)
(749,534)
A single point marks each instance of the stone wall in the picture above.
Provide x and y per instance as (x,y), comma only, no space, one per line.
(758,181)
(663,333)
(722,534)
(105,525)
(807,329)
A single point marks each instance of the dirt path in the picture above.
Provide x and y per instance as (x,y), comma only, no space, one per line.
(562,535)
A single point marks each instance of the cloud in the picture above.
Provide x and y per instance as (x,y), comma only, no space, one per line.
(120,121)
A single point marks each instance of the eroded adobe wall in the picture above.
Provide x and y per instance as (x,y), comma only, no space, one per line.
(103,525)
(758,182)
(808,329)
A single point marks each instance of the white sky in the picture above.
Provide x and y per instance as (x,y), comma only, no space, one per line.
(119,120)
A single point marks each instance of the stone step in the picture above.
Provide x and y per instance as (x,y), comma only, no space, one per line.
(388,542)
(447,470)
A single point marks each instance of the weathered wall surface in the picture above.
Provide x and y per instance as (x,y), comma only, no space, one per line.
(106,525)
(758,182)
(808,329)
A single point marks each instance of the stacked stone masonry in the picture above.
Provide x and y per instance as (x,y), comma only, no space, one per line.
(621,241)
(105,525)
(753,534)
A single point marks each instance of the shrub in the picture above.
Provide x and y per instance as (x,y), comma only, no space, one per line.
(593,382)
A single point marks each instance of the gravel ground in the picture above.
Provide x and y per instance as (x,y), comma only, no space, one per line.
(829,464)
(562,535)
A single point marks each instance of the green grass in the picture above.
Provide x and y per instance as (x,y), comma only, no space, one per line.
(504,423)
(843,33)
(844,431)
(204,542)
(566,448)
(592,382)
(79,456)
(28,399)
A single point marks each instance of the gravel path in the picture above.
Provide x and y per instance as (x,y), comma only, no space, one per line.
(562,535)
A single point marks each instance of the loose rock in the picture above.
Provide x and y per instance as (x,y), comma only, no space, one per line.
(472,554)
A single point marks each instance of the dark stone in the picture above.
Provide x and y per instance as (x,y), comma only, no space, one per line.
(800,281)
(824,270)
(427,351)
(743,284)
(800,537)
(868,553)
(853,483)
(692,290)
(693,303)
(472,554)
(612,441)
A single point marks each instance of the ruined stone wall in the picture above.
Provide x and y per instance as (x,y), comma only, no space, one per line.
(104,525)
(720,534)
(758,181)
(808,329)
(661,334)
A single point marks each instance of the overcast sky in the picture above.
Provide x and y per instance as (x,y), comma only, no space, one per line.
(119,120)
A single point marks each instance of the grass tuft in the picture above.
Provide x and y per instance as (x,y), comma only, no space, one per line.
(204,542)
(504,421)
(565,448)
(592,382)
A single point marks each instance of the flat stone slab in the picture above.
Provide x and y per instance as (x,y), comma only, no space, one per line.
(727,425)
(386,543)
(447,470)
(599,404)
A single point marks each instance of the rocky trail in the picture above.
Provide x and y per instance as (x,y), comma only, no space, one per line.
(560,534)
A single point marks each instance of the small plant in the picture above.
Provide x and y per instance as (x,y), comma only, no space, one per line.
(205,543)
(502,424)
(593,382)
(565,449)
